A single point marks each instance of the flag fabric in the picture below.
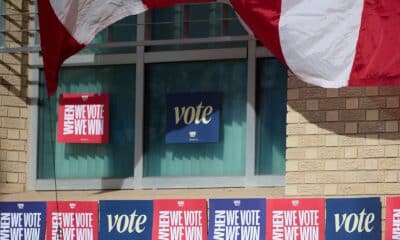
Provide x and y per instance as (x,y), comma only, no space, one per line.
(330,43)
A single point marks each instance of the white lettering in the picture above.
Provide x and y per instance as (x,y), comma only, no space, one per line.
(219,228)
(84,234)
(309,233)
(69,115)
(193,114)
(32,233)
(250,233)
(352,222)
(95,127)
(193,233)
(163,231)
(80,127)
(277,225)
(232,232)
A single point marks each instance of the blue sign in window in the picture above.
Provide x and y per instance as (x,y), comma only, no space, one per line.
(193,117)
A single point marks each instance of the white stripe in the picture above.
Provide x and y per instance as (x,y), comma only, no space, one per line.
(83,19)
(319,38)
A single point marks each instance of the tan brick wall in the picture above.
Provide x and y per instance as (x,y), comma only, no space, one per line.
(13,100)
(342,142)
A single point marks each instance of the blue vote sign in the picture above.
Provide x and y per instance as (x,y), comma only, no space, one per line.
(22,220)
(357,218)
(193,117)
(126,220)
(237,219)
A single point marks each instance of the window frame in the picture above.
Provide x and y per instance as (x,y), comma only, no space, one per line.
(140,59)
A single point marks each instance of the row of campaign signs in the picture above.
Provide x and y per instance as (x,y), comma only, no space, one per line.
(222,219)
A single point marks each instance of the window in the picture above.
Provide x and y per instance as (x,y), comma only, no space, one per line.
(90,160)
(224,158)
(195,21)
(251,148)
(2,23)
(121,31)
(271,117)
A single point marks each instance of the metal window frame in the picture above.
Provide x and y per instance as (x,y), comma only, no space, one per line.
(140,59)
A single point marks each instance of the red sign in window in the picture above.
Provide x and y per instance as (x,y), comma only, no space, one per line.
(83,118)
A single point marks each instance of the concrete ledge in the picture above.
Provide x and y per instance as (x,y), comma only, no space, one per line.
(145,194)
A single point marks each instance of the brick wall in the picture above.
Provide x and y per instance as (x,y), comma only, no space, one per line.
(342,142)
(13,100)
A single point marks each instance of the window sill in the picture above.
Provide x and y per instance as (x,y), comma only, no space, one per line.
(160,183)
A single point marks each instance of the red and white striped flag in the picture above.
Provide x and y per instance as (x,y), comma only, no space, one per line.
(330,43)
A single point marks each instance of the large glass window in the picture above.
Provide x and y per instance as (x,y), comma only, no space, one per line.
(195,21)
(271,87)
(114,159)
(225,158)
(121,31)
(145,151)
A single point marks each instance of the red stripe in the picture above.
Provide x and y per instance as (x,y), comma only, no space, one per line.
(165,3)
(377,60)
(262,17)
(56,42)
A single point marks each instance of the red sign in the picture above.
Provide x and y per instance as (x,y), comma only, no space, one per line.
(296,219)
(392,230)
(180,219)
(72,221)
(83,118)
